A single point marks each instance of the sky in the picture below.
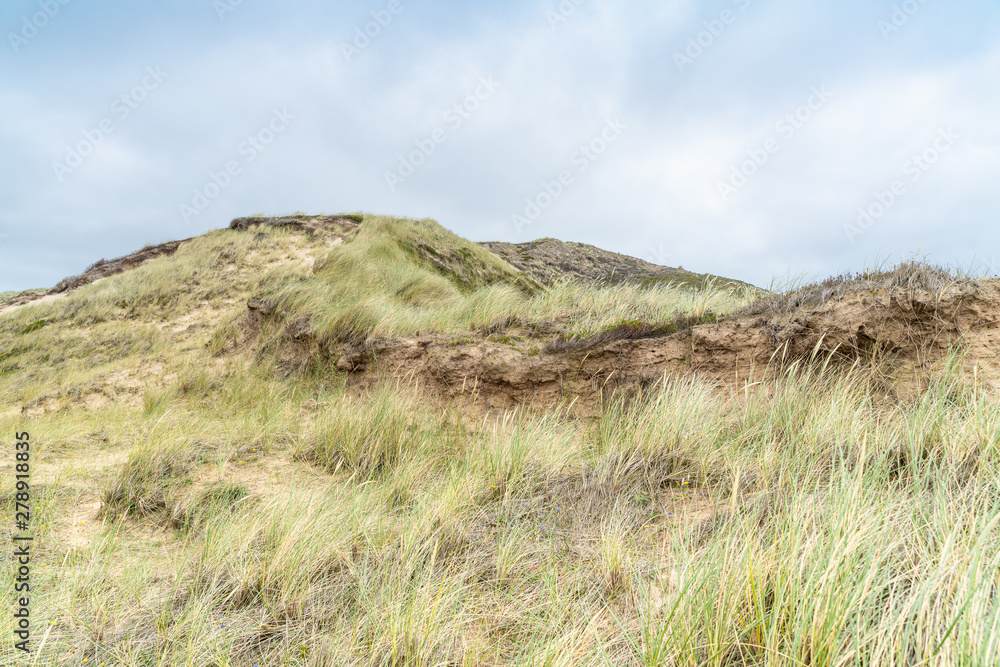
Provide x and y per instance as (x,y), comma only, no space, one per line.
(764,140)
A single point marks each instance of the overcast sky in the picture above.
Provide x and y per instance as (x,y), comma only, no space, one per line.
(749,138)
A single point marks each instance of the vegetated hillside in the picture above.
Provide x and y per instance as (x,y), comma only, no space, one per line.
(389,305)
(361,440)
(100,269)
(550,260)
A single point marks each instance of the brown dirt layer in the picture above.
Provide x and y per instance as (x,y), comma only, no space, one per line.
(545,260)
(912,330)
(100,269)
(109,267)
(104,268)
(24,297)
(303,223)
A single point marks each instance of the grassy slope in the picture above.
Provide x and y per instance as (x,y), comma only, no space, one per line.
(402,277)
(126,321)
(234,516)
(550,260)
(5,297)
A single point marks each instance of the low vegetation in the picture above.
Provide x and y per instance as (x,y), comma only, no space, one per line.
(221,511)
(909,276)
(409,278)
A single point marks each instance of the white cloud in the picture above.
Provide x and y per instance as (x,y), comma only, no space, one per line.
(656,186)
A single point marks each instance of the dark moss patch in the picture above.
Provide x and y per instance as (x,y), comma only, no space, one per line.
(34,326)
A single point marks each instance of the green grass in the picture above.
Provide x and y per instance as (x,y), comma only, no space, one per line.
(229,514)
(809,521)
(63,347)
(144,485)
(402,277)
(700,281)
(371,436)
(908,277)
(7,296)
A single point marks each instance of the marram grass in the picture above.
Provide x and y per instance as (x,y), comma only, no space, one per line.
(230,515)
(810,522)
